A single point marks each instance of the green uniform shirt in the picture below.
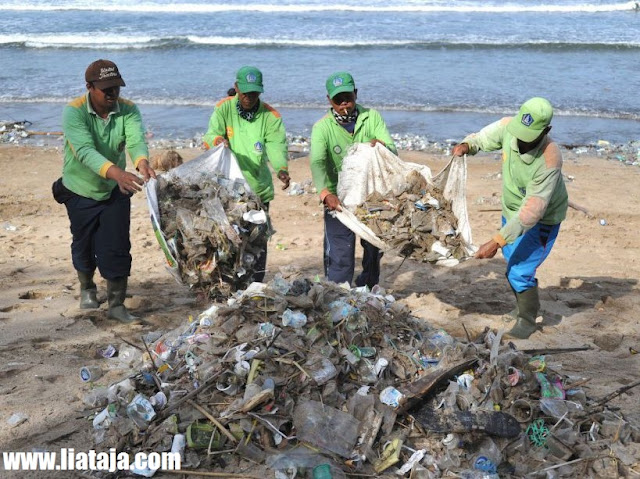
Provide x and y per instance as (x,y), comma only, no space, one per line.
(93,144)
(533,189)
(253,142)
(330,143)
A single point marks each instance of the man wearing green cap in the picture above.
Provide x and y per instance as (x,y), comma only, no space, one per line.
(345,123)
(255,133)
(534,201)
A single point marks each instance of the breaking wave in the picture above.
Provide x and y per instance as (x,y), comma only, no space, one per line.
(119,42)
(433,7)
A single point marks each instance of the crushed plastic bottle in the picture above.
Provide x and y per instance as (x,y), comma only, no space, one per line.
(321,369)
(141,411)
(391,396)
(440,339)
(295,319)
(340,309)
(98,397)
(16,419)
(487,458)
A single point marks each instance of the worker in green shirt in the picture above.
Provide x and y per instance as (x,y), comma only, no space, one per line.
(534,201)
(95,188)
(255,133)
(344,124)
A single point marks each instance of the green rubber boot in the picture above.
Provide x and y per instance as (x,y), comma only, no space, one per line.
(528,306)
(88,291)
(513,314)
(116,294)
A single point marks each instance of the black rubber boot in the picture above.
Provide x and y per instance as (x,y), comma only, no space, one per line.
(528,306)
(88,291)
(116,294)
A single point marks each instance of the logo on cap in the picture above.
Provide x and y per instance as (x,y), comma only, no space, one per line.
(527,119)
(337,81)
(108,72)
(251,78)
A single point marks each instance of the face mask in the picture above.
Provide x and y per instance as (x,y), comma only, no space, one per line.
(247,114)
(345,118)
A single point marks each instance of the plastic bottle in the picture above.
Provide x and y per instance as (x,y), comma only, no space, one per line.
(487,458)
(98,397)
(451,441)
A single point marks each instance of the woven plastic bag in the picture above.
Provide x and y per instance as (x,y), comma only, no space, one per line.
(370,169)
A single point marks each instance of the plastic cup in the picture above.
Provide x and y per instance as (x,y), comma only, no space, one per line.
(90,373)
(322,471)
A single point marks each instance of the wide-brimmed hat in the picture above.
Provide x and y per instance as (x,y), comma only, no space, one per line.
(532,118)
(103,74)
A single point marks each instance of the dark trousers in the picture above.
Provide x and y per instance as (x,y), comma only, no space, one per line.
(100,232)
(339,255)
(261,261)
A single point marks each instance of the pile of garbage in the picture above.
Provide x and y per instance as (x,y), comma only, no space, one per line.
(13,131)
(217,229)
(309,379)
(417,222)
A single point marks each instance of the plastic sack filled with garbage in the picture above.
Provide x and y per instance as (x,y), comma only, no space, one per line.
(401,207)
(210,225)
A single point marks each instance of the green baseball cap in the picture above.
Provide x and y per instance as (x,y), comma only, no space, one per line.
(532,118)
(249,79)
(339,83)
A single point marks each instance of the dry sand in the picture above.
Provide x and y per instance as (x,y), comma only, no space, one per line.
(589,286)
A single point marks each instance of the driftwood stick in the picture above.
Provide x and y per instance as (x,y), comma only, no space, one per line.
(580,208)
(208,383)
(217,423)
(616,393)
(556,350)
(129,342)
(532,474)
(155,366)
(45,133)
(467,333)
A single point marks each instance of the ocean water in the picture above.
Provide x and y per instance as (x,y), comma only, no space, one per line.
(437,69)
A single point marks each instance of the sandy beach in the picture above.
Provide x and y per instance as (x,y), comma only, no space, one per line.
(589,285)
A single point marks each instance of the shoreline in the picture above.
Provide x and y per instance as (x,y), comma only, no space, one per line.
(20,135)
(432,132)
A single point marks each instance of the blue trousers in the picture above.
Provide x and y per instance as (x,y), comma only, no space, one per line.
(528,252)
(100,232)
(339,255)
